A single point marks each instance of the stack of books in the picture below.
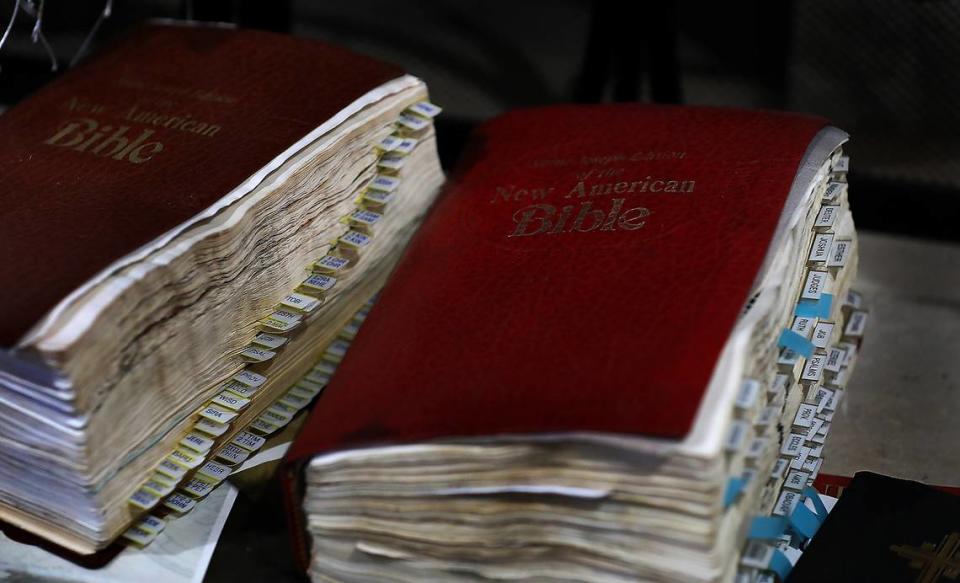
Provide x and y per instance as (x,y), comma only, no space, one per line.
(191,220)
(616,342)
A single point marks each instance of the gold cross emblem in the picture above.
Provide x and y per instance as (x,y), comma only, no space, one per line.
(934,561)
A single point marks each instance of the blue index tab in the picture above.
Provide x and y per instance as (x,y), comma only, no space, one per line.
(819,308)
(768,527)
(814,496)
(795,342)
(734,488)
(804,522)
(780,564)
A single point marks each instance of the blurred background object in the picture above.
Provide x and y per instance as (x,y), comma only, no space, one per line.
(883,70)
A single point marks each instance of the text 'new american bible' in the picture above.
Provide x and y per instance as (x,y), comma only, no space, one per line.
(618,338)
(191,219)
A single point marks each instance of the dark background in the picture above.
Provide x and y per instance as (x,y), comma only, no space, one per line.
(886,71)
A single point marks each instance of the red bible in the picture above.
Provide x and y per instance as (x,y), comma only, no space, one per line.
(591,275)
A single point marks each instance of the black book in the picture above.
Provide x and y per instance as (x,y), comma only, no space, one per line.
(885,530)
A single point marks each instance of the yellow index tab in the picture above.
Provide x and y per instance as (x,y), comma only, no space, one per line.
(217,414)
(331,264)
(144,499)
(197,443)
(179,503)
(231,401)
(270,341)
(197,487)
(152,524)
(159,488)
(171,470)
(209,427)
(255,353)
(188,460)
(426,109)
(262,427)
(239,389)
(139,536)
(301,302)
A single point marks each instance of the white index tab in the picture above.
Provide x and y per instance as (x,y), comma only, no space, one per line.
(426,109)
(406,146)
(856,325)
(270,341)
(214,471)
(248,441)
(233,454)
(320,282)
(814,285)
(820,249)
(217,414)
(251,379)
(209,427)
(301,302)
(412,122)
(822,334)
(254,353)
(331,263)
(826,217)
(384,183)
(839,252)
(355,239)
(179,503)
(197,442)
(389,143)
(230,401)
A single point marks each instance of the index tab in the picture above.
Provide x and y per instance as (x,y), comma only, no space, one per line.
(331,264)
(179,503)
(377,196)
(139,536)
(355,239)
(856,325)
(826,217)
(274,418)
(842,164)
(282,321)
(786,503)
(406,146)
(263,427)
(796,480)
(365,217)
(301,302)
(813,369)
(805,415)
(747,396)
(144,499)
(736,436)
(804,325)
(209,427)
(197,443)
(157,487)
(384,183)
(822,334)
(820,249)
(214,471)
(426,109)
(248,441)
(171,470)
(839,252)
(256,354)
(391,161)
(151,524)
(230,401)
(270,341)
(834,191)
(835,358)
(815,284)
(389,143)
(792,444)
(217,414)
(233,454)
(412,122)
(338,348)
(188,460)
(251,379)
(320,282)
(198,487)
(239,389)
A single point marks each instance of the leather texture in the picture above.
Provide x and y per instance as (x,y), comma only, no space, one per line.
(610,330)
(65,214)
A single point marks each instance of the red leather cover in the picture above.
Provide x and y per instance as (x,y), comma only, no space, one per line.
(66,212)
(611,324)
